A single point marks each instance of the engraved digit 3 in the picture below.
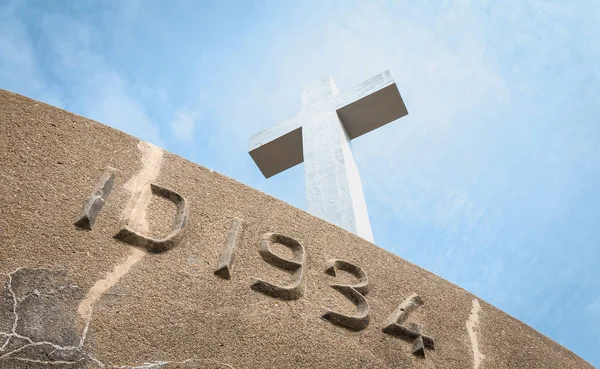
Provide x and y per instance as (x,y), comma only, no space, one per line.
(394,327)
(293,290)
(354,293)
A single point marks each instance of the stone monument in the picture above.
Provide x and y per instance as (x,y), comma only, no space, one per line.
(320,136)
(117,254)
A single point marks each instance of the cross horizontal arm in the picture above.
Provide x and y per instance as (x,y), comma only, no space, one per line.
(277,148)
(370,105)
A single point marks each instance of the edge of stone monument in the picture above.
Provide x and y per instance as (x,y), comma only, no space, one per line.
(27,100)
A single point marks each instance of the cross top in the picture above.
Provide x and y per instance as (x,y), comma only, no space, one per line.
(320,137)
(318,92)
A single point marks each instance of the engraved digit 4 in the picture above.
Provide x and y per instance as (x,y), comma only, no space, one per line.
(294,290)
(354,293)
(394,326)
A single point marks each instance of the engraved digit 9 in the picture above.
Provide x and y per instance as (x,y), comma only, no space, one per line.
(293,290)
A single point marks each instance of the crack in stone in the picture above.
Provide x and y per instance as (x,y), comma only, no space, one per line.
(33,344)
(151,165)
(30,342)
(85,329)
(34,293)
(48,362)
(473,328)
(103,285)
(151,158)
(13,354)
(14,309)
(96,361)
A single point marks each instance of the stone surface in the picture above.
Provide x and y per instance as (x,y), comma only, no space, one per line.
(84,299)
(42,313)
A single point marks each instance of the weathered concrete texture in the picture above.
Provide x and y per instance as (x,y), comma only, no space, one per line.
(87,300)
(42,329)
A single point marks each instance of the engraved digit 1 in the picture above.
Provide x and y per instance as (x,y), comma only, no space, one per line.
(96,201)
(354,293)
(129,235)
(225,265)
(294,290)
(394,326)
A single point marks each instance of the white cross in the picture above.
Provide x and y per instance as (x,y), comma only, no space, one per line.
(320,136)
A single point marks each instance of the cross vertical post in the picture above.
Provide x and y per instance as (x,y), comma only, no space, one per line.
(320,136)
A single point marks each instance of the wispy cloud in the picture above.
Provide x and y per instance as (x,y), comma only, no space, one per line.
(439,60)
(19,64)
(183,126)
(64,53)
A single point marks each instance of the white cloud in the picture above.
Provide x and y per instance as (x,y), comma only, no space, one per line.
(18,63)
(443,70)
(110,103)
(67,52)
(183,126)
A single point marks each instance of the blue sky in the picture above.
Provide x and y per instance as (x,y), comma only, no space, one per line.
(492,181)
